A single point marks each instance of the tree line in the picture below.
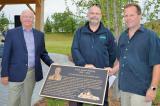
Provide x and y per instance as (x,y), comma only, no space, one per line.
(112,16)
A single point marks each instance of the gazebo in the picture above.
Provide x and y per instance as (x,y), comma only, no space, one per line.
(39,9)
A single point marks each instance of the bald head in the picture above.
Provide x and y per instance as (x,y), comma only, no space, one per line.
(93,7)
(27,19)
(94,15)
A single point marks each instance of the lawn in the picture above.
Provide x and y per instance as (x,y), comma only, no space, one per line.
(157,100)
(61,43)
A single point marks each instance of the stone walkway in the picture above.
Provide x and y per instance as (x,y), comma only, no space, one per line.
(58,58)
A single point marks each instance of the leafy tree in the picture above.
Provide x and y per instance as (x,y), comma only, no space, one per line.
(111,15)
(151,10)
(151,13)
(63,22)
(48,25)
(112,11)
(4,22)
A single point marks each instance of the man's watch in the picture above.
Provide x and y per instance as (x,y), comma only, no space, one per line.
(153,88)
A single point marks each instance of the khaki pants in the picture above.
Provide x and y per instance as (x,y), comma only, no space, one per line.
(130,99)
(20,93)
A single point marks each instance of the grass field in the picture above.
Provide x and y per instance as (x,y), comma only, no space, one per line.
(61,43)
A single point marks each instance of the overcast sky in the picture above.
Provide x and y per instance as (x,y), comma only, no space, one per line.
(50,7)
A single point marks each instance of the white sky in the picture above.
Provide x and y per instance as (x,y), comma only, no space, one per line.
(50,7)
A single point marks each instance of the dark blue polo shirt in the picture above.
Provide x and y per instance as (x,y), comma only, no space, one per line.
(137,57)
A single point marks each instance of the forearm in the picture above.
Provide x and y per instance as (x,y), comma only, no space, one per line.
(116,66)
(155,76)
(151,92)
(112,71)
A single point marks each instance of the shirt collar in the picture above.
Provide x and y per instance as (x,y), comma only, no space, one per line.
(141,29)
(96,30)
(30,30)
(100,30)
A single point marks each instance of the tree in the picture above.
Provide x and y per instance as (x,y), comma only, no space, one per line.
(4,22)
(112,11)
(151,13)
(151,10)
(48,25)
(63,22)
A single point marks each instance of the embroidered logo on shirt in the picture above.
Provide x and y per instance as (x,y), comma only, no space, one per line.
(103,37)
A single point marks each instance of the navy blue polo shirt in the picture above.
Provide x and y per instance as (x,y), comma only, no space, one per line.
(137,56)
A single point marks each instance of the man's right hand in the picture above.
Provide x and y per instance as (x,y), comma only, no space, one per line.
(4,80)
(110,71)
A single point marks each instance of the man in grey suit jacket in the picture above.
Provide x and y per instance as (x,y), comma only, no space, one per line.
(21,62)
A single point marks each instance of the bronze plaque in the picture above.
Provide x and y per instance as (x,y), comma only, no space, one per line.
(75,83)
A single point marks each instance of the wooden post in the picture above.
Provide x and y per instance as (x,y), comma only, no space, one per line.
(39,20)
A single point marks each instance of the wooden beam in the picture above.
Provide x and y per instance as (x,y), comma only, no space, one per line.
(2,6)
(17,1)
(31,9)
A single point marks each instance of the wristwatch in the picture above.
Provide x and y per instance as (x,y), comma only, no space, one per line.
(153,88)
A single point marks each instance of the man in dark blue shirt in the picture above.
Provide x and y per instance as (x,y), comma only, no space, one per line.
(138,61)
(94,45)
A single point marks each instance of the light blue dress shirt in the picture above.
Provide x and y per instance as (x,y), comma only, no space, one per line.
(29,39)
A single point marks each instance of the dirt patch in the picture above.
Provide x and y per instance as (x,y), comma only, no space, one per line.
(42,102)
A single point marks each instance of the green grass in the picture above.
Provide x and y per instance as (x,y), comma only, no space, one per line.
(61,43)
(55,102)
(157,100)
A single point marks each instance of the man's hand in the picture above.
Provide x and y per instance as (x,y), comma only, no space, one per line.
(55,64)
(89,66)
(110,71)
(150,95)
(4,80)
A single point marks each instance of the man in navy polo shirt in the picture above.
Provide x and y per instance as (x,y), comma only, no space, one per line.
(138,61)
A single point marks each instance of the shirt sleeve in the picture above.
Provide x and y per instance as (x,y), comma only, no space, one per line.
(76,54)
(6,55)
(154,49)
(118,49)
(44,54)
(112,49)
